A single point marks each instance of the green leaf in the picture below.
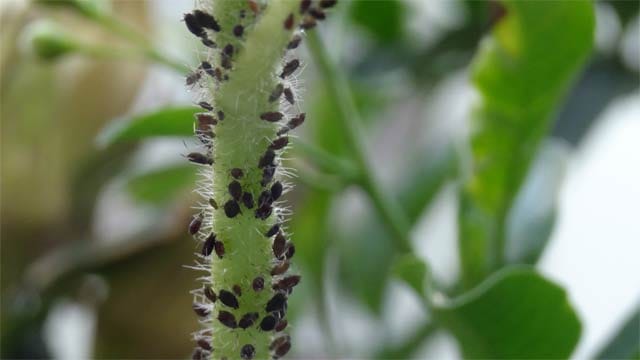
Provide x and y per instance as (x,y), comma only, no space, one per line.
(160,186)
(170,121)
(384,19)
(412,270)
(514,314)
(521,72)
(625,344)
(531,220)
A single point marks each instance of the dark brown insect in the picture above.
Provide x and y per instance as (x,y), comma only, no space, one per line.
(237,290)
(287,283)
(317,14)
(220,115)
(267,158)
(198,354)
(205,121)
(253,6)
(304,6)
(289,68)
(267,174)
(277,303)
(206,66)
(258,284)
(296,121)
(248,319)
(227,298)
(231,208)
(327,3)
(291,250)
(247,352)
(275,94)
(227,319)
(193,78)
(208,43)
(276,190)
(213,203)
(218,75)
(265,198)
(247,200)
(243,13)
(281,268)
(279,143)
(288,22)
(288,95)
(281,325)
(295,41)
(193,25)
(210,294)
(225,61)
(236,173)
(206,20)
(204,343)
(205,105)
(308,23)
(268,323)
(271,116)
(198,158)
(195,224)
(235,190)
(263,212)
(228,50)
(218,247)
(238,30)
(279,244)
(200,310)
(283,349)
(208,245)
(272,230)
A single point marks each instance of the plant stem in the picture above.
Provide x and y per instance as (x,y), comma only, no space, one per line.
(339,89)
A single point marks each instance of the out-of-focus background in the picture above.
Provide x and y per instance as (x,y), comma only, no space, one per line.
(93,235)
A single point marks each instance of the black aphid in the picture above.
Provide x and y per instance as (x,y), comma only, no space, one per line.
(227,319)
(193,78)
(267,174)
(272,116)
(291,250)
(236,173)
(206,20)
(204,343)
(289,68)
(195,224)
(218,247)
(198,158)
(193,25)
(296,121)
(327,3)
(280,268)
(235,190)
(287,283)
(213,203)
(272,230)
(317,14)
(263,212)
(277,303)
(200,310)
(206,66)
(205,105)
(231,208)
(228,50)
(221,115)
(279,143)
(283,349)
(267,158)
(275,94)
(295,41)
(225,61)
(247,352)
(304,6)
(288,22)
(265,198)
(276,190)
(279,244)
(288,95)
(198,354)
(247,200)
(237,290)
(238,30)
(227,298)
(208,43)
(268,323)
(281,325)
(248,320)
(209,293)
(279,341)
(258,284)
(209,243)
(308,23)
(218,75)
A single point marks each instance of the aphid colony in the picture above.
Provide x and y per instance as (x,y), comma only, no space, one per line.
(254,304)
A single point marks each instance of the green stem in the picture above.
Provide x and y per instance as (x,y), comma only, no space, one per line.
(388,208)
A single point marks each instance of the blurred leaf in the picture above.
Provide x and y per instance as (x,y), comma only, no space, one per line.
(514,314)
(531,220)
(49,40)
(384,19)
(412,270)
(521,72)
(170,121)
(160,186)
(625,344)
